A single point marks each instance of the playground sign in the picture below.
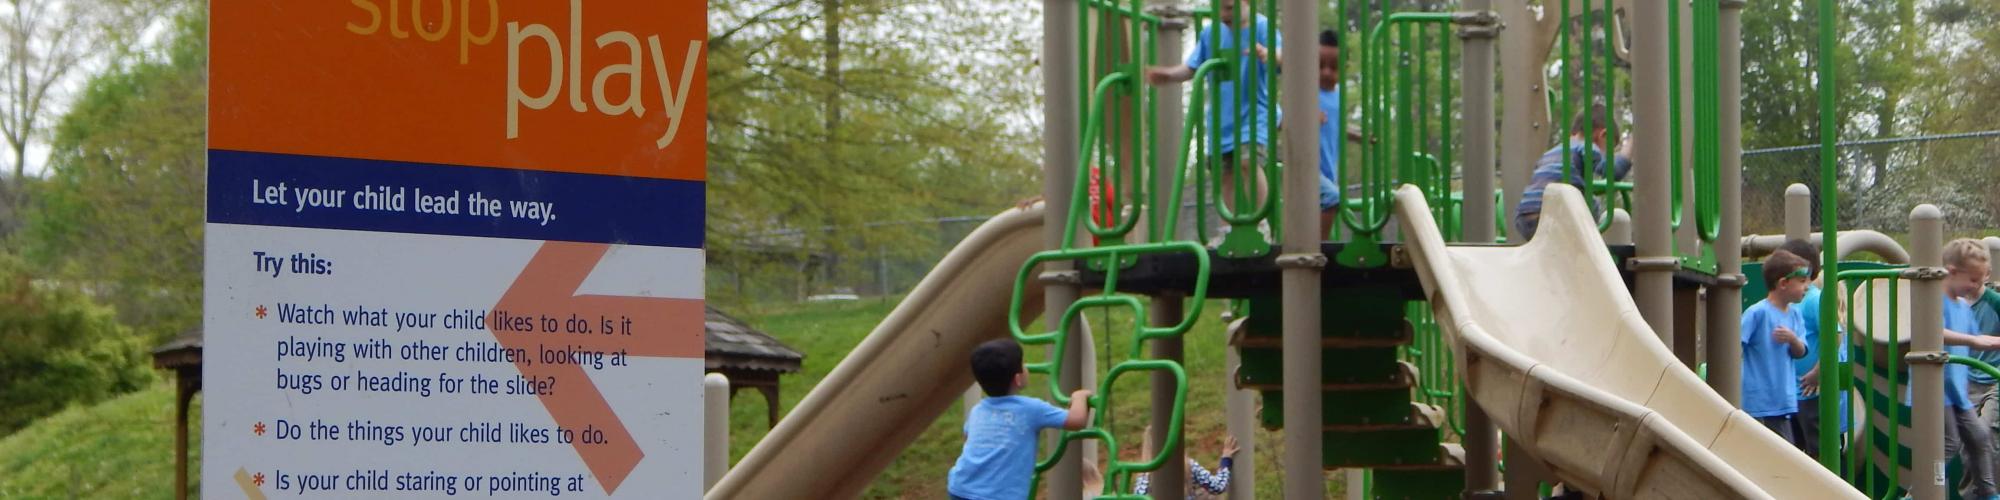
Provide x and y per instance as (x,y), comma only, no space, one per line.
(454,248)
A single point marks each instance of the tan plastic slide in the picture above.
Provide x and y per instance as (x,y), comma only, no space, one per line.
(1552,346)
(901,378)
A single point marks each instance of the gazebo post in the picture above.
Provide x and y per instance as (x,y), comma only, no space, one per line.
(183,356)
(771,403)
(187,385)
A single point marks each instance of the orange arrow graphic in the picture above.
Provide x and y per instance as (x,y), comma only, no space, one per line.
(660,328)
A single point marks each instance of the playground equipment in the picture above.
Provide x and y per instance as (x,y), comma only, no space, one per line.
(1576,375)
(1409,347)
(889,389)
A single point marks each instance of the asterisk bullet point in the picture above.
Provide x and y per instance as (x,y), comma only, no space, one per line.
(260,312)
(259,429)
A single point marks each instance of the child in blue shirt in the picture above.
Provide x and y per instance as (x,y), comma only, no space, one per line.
(1329,131)
(1985,396)
(998,461)
(1966,265)
(1807,368)
(1770,343)
(1238,132)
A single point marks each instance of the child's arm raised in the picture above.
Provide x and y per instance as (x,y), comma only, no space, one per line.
(1079,410)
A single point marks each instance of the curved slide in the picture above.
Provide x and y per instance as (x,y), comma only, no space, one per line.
(897,381)
(1554,349)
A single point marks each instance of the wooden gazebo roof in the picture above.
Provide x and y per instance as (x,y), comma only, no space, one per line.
(735,346)
(749,358)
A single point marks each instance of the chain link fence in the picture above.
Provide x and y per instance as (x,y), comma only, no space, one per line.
(1880,181)
(775,268)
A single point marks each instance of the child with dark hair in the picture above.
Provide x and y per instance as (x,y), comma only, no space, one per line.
(998,461)
(1588,134)
(1807,368)
(1329,131)
(1771,342)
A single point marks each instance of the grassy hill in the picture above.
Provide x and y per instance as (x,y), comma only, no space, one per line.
(122,448)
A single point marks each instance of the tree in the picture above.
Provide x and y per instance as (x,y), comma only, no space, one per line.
(121,209)
(62,349)
(46,43)
(833,123)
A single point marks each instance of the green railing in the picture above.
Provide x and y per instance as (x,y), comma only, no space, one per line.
(1249,79)
(1875,458)
(1118,140)
(1590,59)
(1438,380)
(1407,116)
(1120,473)
(1707,134)
(1119,143)
(1589,74)
(1875,462)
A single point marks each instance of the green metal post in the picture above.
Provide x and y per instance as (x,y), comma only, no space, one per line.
(1829,192)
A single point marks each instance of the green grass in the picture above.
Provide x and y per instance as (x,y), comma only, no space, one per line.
(122,448)
(827,332)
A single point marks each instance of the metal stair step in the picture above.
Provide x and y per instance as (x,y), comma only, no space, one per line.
(1357,368)
(1374,313)
(1357,408)
(1420,416)
(1404,376)
(1414,484)
(1386,449)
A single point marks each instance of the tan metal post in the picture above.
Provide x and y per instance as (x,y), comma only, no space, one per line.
(1242,409)
(1170,481)
(1687,316)
(1524,474)
(1525,128)
(1300,258)
(1060,118)
(1725,315)
(715,422)
(1798,212)
(1927,354)
(1353,478)
(1655,262)
(1481,438)
(1993,248)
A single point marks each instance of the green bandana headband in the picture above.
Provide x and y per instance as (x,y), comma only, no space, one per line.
(1799,273)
